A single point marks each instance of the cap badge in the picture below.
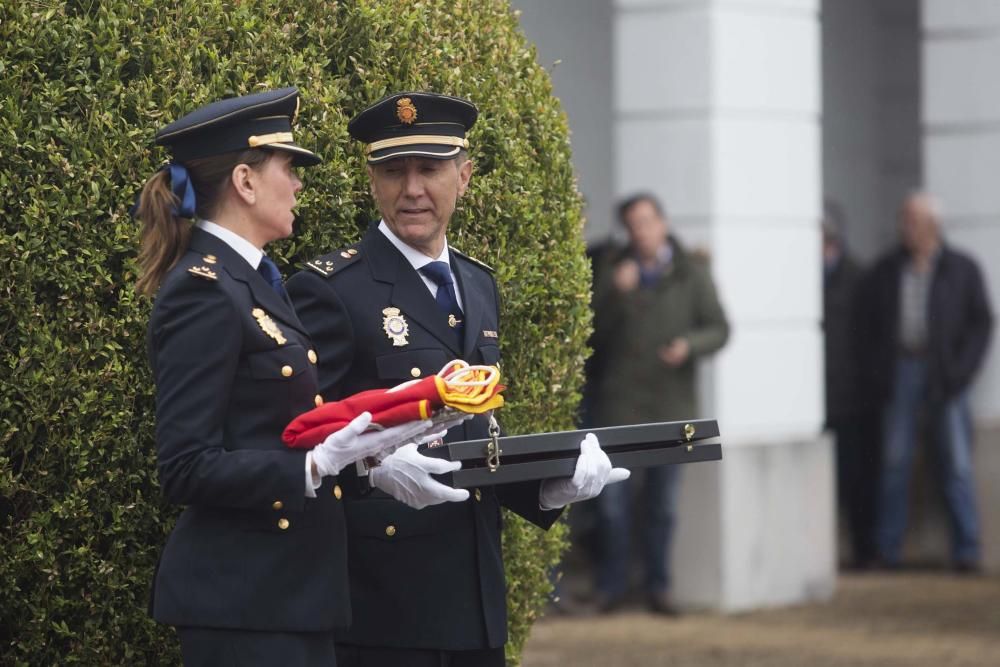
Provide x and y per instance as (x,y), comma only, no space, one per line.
(268,325)
(395,326)
(405,111)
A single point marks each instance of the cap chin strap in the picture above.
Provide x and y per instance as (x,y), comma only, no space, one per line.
(413,139)
(258,140)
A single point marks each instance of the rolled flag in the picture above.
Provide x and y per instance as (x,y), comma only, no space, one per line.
(457,387)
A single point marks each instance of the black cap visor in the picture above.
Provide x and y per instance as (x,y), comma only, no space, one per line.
(301,157)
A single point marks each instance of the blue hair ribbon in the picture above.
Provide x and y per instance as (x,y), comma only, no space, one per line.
(180,185)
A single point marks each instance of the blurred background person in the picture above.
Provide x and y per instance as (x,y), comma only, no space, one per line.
(655,314)
(928,324)
(849,417)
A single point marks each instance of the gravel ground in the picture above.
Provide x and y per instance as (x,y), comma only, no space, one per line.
(912,620)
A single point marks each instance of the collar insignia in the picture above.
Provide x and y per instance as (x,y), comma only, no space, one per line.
(203,272)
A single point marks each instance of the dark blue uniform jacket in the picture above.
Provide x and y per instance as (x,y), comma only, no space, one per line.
(249,550)
(430,578)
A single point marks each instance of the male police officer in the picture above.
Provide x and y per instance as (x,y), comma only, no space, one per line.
(399,305)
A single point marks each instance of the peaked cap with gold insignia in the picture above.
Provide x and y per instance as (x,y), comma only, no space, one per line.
(261,120)
(414,123)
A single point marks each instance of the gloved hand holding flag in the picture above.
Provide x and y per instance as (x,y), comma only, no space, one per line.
(458,387)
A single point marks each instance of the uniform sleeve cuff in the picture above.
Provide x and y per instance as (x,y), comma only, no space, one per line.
(312,481)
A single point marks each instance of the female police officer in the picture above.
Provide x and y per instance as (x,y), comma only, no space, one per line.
(255,570)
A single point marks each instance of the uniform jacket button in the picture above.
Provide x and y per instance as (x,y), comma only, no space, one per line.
(318,400)
(312,356)
(390,530)
(277,505)
(337,492)
(478,494)
(287,371)
(283,523)
(415,372)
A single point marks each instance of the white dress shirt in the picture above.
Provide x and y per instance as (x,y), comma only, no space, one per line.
(418,260)
(248,251)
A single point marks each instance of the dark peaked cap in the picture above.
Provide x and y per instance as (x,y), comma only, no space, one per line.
(414,123)
(261,120)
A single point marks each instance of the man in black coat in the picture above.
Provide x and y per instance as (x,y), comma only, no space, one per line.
(400,305)
(928,325)
(852,420)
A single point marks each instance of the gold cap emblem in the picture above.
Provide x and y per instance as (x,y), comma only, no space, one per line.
(405,111)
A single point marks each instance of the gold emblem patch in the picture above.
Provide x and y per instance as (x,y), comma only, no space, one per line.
(268,325)
(395,326)
(405,111)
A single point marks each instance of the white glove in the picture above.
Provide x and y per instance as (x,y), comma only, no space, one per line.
(406,476)
(430,434)
(438,430)
(351,443)
(593,472)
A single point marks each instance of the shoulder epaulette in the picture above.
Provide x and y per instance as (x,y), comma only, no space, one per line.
(332,262)
(205,270)
(473,260)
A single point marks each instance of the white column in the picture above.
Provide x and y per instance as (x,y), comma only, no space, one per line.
(961,114)
(717,112)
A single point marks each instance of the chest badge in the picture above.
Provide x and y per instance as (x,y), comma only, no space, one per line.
(268,325)
(395,326)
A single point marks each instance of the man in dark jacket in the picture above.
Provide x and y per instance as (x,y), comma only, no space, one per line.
(656,314)
(928,325)
(850,419)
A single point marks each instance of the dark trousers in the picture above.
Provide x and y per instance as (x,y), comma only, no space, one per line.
(658,507)
(366,656)
(859,464)
(951,435)
(217,647)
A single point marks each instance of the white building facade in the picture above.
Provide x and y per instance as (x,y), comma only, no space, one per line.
(742,116)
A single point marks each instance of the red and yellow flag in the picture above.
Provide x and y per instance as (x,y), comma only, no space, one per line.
(465,388)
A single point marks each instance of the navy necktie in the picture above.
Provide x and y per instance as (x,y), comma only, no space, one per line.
(447,300)
(269,271)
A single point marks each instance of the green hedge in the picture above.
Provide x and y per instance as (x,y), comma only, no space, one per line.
(83,85)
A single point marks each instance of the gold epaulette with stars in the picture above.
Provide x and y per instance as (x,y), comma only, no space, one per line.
(205,270)
(328,264)
(473,260)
